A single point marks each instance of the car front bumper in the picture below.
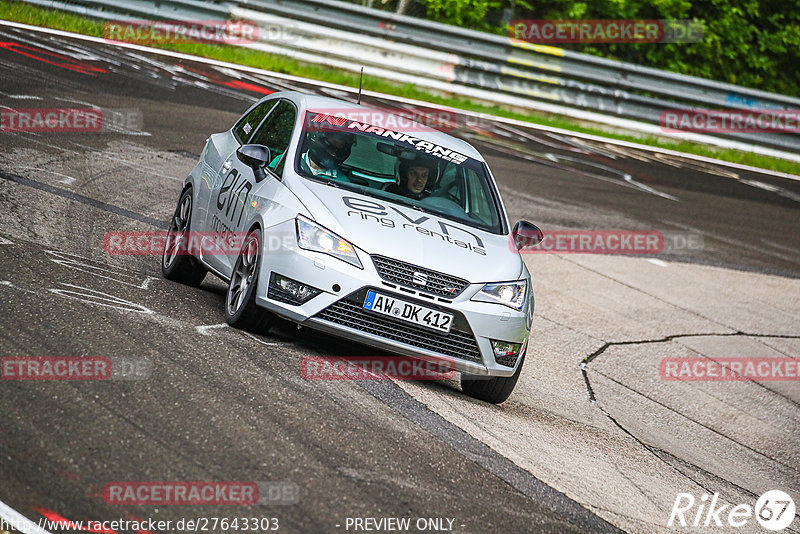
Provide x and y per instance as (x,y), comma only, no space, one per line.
(338,309)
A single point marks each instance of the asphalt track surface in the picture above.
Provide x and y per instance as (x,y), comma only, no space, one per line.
(226,406)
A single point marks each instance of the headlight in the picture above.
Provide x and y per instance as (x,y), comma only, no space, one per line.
(511,294)
(312,236)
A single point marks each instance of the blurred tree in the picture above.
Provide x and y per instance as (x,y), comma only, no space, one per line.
(755,43)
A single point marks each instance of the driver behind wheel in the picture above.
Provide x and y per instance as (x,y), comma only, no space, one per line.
(417,178)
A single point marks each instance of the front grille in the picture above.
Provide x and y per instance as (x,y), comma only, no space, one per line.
(456,344)
(404,273)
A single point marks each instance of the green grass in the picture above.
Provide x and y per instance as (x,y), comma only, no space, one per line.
(21,12)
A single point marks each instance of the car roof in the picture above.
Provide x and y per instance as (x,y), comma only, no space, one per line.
(314,102)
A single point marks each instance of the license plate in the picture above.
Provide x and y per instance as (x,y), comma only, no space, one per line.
(409,312)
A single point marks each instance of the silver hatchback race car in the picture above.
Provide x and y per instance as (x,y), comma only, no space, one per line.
(391,235)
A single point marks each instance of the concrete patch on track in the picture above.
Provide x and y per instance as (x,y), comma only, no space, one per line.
(627,446)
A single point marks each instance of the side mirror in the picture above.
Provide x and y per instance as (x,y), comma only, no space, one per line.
(526,235)
(257,157)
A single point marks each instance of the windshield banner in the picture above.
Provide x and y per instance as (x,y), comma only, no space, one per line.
(319,121)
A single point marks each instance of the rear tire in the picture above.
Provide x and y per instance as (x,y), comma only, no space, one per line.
(241,310)
(176,263)
(494,390)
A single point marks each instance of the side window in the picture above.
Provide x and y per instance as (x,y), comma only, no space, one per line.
(276,131)
(244,128)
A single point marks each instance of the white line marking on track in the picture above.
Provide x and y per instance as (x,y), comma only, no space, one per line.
(628,178)
(18,521)
(248,334)
(502,120)
(8,283)
(65,178)
(146,283)
(780,247)
(20,97)
(203,330)
(658,262)
(95,268)
(79,102)
(773,189)
(91,296)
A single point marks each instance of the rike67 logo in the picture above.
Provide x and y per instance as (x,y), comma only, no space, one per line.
(774,510)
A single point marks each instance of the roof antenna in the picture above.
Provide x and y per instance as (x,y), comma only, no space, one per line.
(360,81)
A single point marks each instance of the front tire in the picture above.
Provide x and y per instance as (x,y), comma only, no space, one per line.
(241,310)
(176,263)
(494,390)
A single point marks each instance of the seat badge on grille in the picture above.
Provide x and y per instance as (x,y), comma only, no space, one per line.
(419,278)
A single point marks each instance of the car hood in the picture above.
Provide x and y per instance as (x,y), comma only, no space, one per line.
(377,226)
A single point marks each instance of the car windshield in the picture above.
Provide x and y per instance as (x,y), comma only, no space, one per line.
(399,168)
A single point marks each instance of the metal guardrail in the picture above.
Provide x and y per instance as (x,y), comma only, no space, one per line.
(460,61)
